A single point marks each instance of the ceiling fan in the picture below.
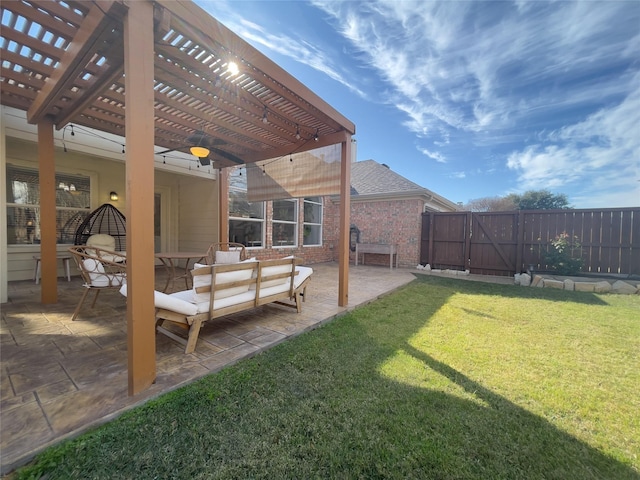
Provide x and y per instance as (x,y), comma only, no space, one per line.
(202,145)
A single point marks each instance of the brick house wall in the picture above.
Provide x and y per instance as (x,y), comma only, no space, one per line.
(380,221)
(389,222)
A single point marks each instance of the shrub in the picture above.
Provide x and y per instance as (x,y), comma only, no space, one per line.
(564,254)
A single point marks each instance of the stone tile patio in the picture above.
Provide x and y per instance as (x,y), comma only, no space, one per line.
(59,378)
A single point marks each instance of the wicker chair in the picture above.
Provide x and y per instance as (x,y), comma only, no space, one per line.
(106,219)
(226,255)
(100,269)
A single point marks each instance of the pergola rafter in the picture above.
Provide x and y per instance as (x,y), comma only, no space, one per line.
(65,60)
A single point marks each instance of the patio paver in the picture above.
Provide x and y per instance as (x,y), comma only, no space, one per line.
(58,378)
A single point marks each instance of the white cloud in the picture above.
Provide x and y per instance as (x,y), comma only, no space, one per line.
(438,157)
(477,66)
(598,158)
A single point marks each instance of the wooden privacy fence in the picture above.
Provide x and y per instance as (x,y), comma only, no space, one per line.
(505,243)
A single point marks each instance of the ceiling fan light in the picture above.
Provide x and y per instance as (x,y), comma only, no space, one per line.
(199,151)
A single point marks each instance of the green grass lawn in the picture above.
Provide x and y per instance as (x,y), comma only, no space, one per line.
(444,379)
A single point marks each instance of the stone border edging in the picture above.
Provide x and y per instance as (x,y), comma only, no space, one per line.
(594,286)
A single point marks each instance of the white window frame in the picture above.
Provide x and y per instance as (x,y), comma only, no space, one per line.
(237,185)
(275,223)
(306,224)
(59,176)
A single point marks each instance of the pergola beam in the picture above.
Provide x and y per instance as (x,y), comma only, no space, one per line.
(74,60)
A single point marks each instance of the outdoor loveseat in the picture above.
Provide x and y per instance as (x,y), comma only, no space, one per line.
(223,289)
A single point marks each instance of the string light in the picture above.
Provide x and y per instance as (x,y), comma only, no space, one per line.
(87,132)
(297,132)
(264,116)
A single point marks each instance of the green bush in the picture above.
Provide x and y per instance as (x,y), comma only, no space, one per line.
(564,254)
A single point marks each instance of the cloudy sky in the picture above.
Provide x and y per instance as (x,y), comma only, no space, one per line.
(472,99)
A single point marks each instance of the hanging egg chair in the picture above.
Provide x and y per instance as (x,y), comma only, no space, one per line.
(105,219)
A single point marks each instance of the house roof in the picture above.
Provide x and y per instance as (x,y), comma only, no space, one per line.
(369,177)
(372,179)
(64,60)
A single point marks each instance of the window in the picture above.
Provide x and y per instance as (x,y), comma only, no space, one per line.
(312,222)
(73,201)
(285,223)
(246,219)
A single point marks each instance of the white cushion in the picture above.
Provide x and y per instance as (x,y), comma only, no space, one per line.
(221,278)
(98,276)
(202,307)
(303,274)
(170,302)
(93,266)
(102,240)
(277,269)
(232,256)
(274,289)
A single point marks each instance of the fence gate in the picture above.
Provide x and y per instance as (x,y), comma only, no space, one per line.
(494,243)
(444,240)
(483,243)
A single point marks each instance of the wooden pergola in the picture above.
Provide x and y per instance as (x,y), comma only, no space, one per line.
(181,75)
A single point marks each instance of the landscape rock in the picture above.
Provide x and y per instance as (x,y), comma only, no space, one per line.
(602,287)
(537,281)
(620,286)
(584,286)
(549,283)
(569,284)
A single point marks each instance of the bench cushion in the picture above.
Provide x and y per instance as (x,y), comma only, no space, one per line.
(221,278)
(202,307)
(303,274)
(175,303)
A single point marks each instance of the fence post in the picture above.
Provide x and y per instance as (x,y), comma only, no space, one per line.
(467,241)
(520,241)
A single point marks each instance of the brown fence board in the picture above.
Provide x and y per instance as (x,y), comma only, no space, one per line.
(449,234)
(493,242)
(504,243)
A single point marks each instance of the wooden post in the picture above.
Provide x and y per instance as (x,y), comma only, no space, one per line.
(345,207)
(223,202)
(139,133)
(467,241)
(519,217)
(431,228)
(47,174)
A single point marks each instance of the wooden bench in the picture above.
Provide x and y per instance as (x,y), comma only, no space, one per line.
(223,289)
(377,248)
